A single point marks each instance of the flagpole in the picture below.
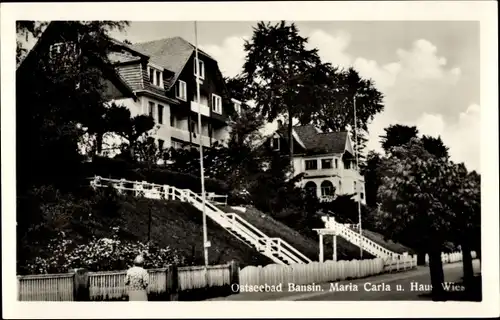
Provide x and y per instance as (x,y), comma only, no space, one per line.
(357,180)
(202,173)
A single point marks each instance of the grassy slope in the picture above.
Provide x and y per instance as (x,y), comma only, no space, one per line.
(310,247)
(179,225)
(307,246)
(389,244)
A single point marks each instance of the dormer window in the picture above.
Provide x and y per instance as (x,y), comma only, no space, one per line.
(275,143)
(63,49)
(56,49)
(180,90)
(199,68)
(216,104)
(155,76)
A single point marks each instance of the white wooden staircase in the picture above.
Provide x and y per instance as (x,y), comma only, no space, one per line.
(355,238)
(277,249)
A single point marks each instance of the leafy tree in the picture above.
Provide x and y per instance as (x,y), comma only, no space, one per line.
(280,73)
(424,201)
(147,151)
(372,177)
(411,213)
(435,146)
(343,88)
(60,95)
(135,131)
(360,146)
(397,135)
(462,197)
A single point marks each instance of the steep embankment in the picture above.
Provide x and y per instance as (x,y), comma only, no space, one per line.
(179,225)
(388,244)
(307,245)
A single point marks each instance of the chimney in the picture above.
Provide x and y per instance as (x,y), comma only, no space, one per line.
(280,124)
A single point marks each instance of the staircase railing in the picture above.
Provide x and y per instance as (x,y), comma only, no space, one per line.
(367,244)
(284,247)
(276,249)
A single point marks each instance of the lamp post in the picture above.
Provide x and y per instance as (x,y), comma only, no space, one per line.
(202,173)
(357,180)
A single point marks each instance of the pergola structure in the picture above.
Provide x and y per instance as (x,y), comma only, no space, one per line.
(329,230)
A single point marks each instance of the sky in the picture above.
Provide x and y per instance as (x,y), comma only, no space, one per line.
(428,71)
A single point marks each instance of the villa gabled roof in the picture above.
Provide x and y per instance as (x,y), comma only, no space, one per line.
(170,53)
(312,140)
(327,142)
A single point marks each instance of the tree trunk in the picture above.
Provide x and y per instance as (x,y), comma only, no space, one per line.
(467,264)
(421,258)
(437,274)
(98,141)
(131,150)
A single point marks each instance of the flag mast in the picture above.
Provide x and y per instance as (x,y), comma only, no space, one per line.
(357,180)
(202,173)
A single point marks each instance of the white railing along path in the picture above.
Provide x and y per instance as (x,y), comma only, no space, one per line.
(345,231)
(276,249)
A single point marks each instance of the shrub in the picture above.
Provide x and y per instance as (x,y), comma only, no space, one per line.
(102,254)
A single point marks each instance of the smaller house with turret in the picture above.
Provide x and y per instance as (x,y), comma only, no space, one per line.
(326,159)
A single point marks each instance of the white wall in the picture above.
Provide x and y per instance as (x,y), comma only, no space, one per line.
(342,179)
(161,131)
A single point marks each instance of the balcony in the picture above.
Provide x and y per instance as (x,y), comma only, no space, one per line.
(204,109)
(322,172)
(179,134)
(184,136)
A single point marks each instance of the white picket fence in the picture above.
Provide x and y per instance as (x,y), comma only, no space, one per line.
(330,271)
(451,257)
(314,272)
(400,263)
(200,277)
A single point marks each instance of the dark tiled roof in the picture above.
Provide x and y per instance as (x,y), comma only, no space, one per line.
(116,57)
(49,35)
(317,141)
(170,53)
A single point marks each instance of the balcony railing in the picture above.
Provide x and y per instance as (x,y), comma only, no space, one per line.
(204,109)
(328,198)
(179,134)
(184,136)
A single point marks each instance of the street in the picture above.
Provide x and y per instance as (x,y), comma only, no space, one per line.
(412,285)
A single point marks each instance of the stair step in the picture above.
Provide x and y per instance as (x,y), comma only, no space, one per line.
(254,240)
